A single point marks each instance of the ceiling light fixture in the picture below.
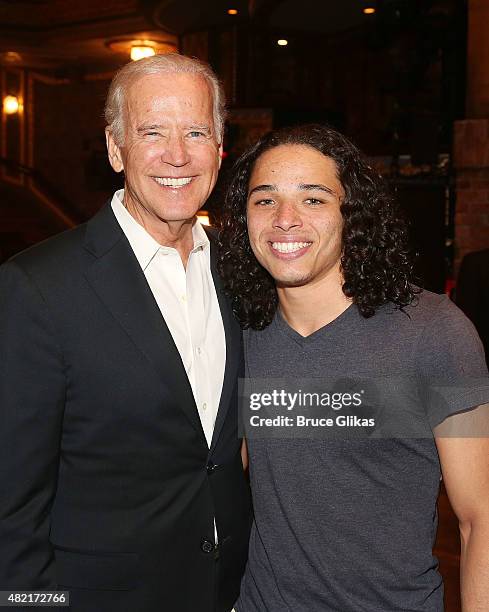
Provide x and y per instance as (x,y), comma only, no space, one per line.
(140,51)
(369,10)
(232,12)
(282,42)
(137,48)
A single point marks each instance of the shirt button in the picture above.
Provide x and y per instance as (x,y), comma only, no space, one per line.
(199,351)
(210,467)
(207,546)
(204,406)
(184,298)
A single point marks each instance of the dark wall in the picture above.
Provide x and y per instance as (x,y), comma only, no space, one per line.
(423,204)
(69,143)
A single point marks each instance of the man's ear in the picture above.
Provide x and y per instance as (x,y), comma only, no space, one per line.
(114,152)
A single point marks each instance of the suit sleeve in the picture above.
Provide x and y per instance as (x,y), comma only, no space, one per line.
(32,392)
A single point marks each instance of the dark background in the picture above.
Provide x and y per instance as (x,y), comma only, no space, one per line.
(394,81)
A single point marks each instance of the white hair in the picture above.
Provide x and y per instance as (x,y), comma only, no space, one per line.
(160,64)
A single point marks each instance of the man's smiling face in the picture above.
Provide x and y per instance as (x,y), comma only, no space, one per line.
(294,219)
(170,154)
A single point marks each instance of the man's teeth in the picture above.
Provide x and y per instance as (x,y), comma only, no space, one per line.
(289,247)
(173,182)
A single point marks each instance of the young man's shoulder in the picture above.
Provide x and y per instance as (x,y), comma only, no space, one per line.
(425,307)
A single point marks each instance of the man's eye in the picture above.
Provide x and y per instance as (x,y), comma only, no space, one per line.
(265,202)
(313,201)
(152,134)
(196,134)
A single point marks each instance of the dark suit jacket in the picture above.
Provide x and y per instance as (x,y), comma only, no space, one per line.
(108,488)
(472,292)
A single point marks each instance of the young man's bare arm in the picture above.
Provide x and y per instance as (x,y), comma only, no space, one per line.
(465,468)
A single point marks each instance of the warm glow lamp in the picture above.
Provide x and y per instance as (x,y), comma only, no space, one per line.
(11,105)
(138,48)
(140,51)
(282,42)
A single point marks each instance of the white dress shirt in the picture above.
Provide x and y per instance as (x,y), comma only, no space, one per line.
(188,302)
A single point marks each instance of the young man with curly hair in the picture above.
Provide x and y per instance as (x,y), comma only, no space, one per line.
(316,261)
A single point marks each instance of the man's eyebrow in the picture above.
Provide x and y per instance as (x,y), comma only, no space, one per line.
(301,186)
(202,128)
(148,126)
(316,187)
(158,126)
(263,188)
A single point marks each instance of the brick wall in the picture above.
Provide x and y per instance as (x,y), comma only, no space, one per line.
(471,161)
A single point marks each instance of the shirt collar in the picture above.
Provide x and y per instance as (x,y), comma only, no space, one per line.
(143,244)
(201,240)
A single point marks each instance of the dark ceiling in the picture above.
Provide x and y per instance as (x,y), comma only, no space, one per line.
(53,33)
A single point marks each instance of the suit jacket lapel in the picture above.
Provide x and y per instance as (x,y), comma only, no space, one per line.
(233,349)
(118,280)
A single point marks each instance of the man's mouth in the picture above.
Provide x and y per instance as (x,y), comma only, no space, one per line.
(175,183)
(289,247)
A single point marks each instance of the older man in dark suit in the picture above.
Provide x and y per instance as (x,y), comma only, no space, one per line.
(120,468)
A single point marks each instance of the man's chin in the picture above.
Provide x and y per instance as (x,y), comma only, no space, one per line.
(287,282)
(284,277)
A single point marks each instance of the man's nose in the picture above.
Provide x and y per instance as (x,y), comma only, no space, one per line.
(176,152)
(286,217)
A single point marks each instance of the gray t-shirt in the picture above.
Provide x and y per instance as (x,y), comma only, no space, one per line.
(348,525)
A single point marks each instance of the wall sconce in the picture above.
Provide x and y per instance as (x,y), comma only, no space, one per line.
(11,105)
